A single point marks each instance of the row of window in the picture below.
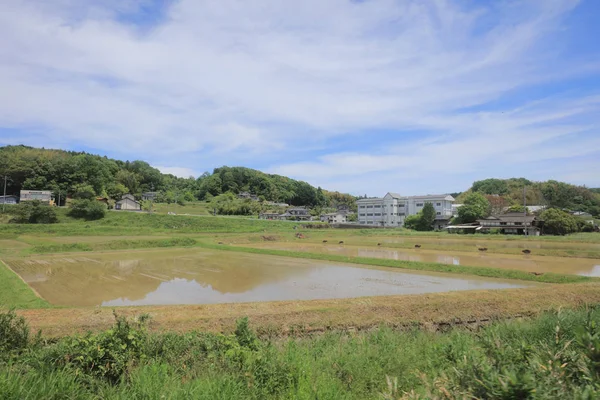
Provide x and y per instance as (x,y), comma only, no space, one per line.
(422,204)
(400,205)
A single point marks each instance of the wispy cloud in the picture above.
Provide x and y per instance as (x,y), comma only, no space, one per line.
(386,94)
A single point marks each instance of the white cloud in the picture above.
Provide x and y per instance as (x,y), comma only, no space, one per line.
(229,81)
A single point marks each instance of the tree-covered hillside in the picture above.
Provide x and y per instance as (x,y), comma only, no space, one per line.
(509,192)
(71,172)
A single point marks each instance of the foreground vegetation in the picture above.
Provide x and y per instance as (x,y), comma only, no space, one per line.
(553,356)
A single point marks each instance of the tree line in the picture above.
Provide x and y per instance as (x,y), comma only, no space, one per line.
(83,175)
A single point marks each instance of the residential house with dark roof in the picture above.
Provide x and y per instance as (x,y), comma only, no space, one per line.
(515,223)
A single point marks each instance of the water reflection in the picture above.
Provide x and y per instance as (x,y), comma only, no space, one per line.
(203,277)
(563,265)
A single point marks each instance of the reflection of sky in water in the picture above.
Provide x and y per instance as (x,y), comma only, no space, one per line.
(595,271)
(326,282)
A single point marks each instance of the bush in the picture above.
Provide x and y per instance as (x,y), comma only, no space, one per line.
(89,210)
(34,212)
(14,333)
(107,355)
(557,222)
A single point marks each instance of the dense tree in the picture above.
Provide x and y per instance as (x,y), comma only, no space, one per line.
(412,221)
(34,212)
(490,186)
(550,194)
(87,209)
(67,172)
(427,218)
(475,207)
(558,222)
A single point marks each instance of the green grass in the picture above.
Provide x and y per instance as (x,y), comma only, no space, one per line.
(553,356)
(192,208)
(413,265)
(132,223)
(16,293)
(112,245)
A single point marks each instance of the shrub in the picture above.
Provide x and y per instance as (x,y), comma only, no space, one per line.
(14,332)
(34,212)
(557,222)
(89,210)
(107,355)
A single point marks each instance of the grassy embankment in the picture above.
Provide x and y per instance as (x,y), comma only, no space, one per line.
(16,293)
(553,356)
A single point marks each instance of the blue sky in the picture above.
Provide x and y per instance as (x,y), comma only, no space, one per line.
(410,96)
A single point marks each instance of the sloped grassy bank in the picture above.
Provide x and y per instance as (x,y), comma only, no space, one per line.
(555,355)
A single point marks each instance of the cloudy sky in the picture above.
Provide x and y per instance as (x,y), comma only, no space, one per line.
(362,96)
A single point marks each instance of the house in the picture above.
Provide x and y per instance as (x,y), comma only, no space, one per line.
(9,199)
(393,208)
(335,218)
(297,213)
(515,223)
(247,196)
(269,215)
(103,200)
(150,196)
(128,203)
(45,196)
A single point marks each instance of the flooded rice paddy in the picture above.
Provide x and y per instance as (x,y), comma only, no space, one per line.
(529,263)
(195,276)
(504,244)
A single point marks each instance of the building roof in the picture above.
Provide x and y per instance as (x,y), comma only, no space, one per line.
(370,199)
(434,197)
(396,195)
(9,195)
(510,217)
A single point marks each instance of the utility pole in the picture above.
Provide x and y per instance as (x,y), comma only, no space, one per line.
(525,208)
(4,199)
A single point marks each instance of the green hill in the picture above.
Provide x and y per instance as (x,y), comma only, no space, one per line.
(509,192)
(68,172)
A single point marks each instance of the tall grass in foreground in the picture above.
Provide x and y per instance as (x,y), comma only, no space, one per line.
(555,356)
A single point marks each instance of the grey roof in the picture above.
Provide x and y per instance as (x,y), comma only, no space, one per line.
(396,195)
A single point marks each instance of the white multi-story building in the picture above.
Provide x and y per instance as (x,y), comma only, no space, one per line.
(392,209)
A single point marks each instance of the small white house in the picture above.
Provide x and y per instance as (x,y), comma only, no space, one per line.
(128,203)
(335,218)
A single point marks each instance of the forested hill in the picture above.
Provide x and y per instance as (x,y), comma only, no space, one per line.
(72,172)
(508,192)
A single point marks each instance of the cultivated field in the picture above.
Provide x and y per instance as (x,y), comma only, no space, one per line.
(365,294)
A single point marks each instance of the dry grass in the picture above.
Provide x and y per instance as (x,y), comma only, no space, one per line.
(302,317)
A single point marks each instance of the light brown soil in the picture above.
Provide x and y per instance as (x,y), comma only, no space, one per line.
(305,317)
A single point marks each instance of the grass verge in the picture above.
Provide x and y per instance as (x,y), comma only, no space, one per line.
(553,356)
(16,293)
(413,265)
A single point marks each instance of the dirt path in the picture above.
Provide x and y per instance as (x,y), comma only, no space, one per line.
(302,317)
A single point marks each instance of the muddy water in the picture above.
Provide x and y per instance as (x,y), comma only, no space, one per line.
(505,244)
(202,277)
(562,265)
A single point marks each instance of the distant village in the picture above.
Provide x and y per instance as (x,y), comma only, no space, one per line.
(389,211)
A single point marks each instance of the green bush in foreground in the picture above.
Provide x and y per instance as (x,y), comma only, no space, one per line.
(555,356)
